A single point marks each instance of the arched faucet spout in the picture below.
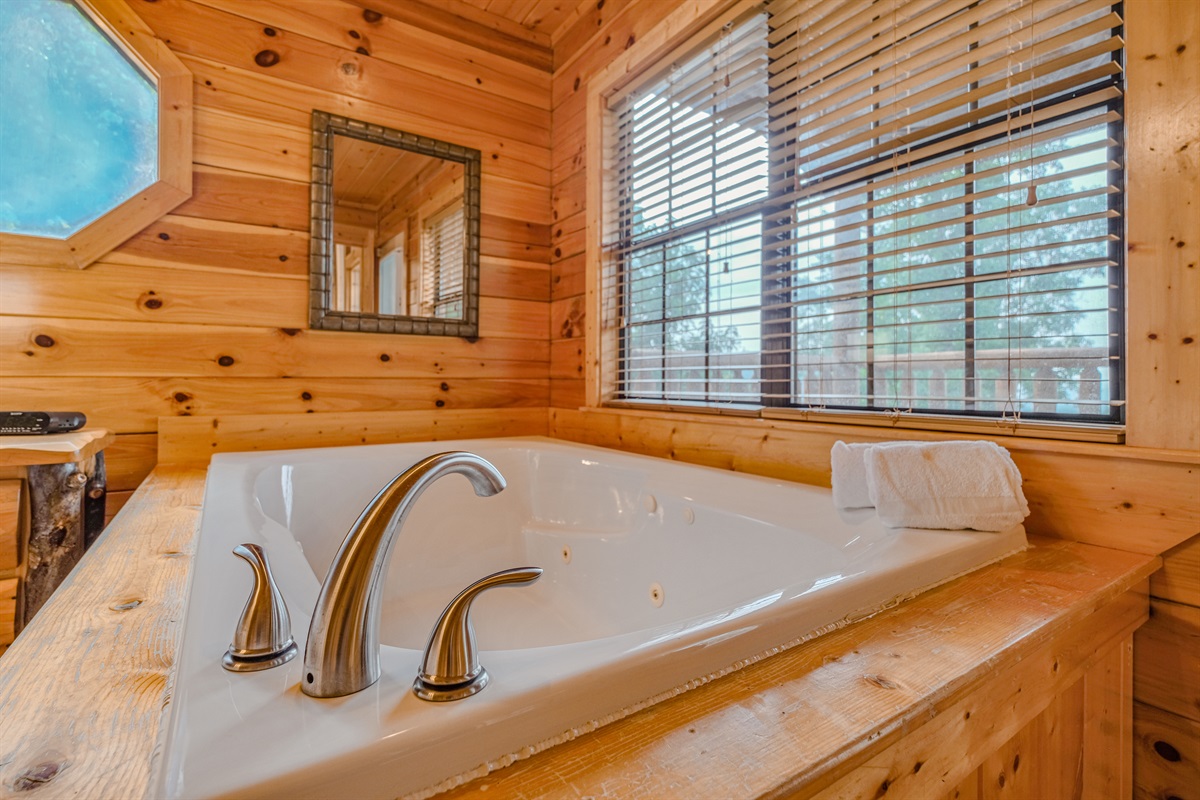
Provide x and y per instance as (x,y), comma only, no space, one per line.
(342,653)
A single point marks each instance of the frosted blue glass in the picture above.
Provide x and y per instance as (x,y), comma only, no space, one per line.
(78,121)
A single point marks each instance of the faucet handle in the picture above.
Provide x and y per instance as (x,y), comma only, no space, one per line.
(451,668)
(263,637)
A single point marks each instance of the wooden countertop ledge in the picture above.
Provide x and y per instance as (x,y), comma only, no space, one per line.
(888,705)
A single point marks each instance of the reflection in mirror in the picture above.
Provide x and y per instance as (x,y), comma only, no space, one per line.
(395,241)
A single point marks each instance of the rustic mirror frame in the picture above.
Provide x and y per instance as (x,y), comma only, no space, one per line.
(173,82)
(320,263)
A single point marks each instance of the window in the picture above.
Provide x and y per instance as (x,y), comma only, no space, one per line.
(94,128)
(932,225)
(442,264)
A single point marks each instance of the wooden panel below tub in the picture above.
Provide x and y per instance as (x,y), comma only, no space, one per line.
(10,519)
(8,610)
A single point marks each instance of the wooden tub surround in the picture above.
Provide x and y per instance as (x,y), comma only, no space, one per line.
(1015,681)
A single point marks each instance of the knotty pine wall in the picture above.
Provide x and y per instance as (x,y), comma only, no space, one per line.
(1147,503)
(205,312)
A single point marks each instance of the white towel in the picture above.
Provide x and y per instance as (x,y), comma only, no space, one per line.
(850,475)
(945,485)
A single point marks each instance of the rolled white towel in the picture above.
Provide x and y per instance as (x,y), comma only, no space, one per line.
(850,475)
(945,485)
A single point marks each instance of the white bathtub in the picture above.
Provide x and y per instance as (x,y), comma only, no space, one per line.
(658,576)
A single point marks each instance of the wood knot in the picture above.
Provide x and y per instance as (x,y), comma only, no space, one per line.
(881,682)
(225,361)
(38,775)
(126,606)
(371,16)
(266,58)
(42,340)
(1166,751)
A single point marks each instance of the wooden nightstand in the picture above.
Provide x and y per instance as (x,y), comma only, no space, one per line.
(51,509)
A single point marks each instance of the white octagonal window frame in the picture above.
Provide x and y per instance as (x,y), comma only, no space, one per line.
(173,82)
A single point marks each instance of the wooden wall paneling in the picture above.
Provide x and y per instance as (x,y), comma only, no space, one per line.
(113,503)
(567,393)
(318,64)
(1168,659)
(1162,204)
(517,319)
(392,40)
(967,790)
(1179,578)
(569,201)
(566,359)
(567,319)
(570,236)
(516,199)
(588,23)
(250,144)
(500,234)
(224,246)
(612,34)
(458,20)
(1166,755)
(133,405)
(46,347)
(193,440)
(128,460)
(570,138)
(567,278)
(1100,494)
(1106,759)
(509,250)
(129,293)
(227,195)
(514,279)
(8,611)
(241,91)
(10,519)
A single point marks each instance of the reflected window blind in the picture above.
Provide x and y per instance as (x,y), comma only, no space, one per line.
(683,242)
(947,233)
(442,264)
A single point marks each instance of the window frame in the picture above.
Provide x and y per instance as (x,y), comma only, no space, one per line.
(673,39)
(173,82)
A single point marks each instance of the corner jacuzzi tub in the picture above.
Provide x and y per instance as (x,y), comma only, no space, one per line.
(658,576)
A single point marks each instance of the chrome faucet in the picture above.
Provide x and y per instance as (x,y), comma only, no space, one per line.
(342,653)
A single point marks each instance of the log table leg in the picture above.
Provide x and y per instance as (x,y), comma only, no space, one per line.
(60,497)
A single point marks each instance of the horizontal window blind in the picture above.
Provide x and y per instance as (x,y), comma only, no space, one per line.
(946,236)
(875,206)
(442,264)
(683,237)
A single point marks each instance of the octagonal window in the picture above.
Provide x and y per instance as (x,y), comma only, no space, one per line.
(79,121)
(95,130)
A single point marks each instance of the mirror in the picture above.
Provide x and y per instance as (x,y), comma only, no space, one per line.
(395,231)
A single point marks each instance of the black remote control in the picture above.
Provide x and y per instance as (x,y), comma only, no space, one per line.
(33,423)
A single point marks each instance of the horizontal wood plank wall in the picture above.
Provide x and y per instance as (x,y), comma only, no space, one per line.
(601,32)
(205,312)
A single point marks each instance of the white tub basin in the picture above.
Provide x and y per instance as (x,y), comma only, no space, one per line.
(657,575)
